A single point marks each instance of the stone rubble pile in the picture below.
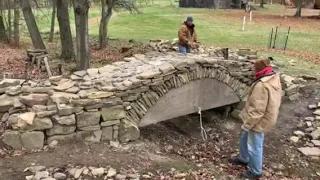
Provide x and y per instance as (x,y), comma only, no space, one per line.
(309,133)
(71,172)
(292,86)
(106,173)
(172,46)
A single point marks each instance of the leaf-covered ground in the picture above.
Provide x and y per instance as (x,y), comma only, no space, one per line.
(174,150)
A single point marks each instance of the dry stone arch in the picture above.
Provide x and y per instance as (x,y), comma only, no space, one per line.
(111,102)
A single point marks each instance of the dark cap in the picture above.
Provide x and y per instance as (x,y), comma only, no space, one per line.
(261,64)
(189,19)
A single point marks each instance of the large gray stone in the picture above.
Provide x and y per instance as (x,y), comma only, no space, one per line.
(128,131)
(90,136)
(65,120)
(34,99)
(84,102)
(80,73)
(63,98)
(235,114)
(90,128)
(113,113)
(149,74)
(292,89)
(66,110)
(73,90)
(100,95)
(37,124)
(32,140)
(88,119)
(25,119)
(61,138)
(310,151)
(12,139)
(46,113)
(317,112)
(17,104)
(14,91)
(316,134)
(166,67)
(64,84)
(37,108)
(9,82)
(110,123)
(58,129)
(107,133)
(6,102)
(28,89)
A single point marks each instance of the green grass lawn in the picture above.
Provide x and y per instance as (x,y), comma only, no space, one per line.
(161,20)
(214,27)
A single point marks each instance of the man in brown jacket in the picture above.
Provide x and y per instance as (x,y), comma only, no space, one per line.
(187,36)
(259,116)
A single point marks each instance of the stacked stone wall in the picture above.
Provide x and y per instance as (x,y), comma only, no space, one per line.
(107,103)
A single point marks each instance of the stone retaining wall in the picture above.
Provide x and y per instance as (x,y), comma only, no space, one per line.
(107,103)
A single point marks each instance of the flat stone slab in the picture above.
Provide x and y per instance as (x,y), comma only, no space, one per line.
(310,151)
(32,140)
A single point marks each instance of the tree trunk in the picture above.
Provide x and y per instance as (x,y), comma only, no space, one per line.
(298,12)
(67,50)
(16,33)
(32,25)
(261,3)
(1,7)
(53,19)
(9,20)
(3,35)
(106,14)
(81,8)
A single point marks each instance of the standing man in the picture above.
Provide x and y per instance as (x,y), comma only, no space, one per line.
(259,116)
(187,36)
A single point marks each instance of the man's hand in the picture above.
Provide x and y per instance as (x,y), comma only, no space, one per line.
(244,128)
(193,45)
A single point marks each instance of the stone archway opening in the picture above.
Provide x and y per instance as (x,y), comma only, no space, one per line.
(204,93)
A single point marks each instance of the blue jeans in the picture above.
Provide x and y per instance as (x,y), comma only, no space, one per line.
(184,49)
(251,150)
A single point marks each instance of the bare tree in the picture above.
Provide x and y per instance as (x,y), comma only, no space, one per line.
(81,9)
(16,25)
(32,25)
(299,7)
(9,20)
(67,50)
(53,19)
(106,13)
(261,3)
(3,36)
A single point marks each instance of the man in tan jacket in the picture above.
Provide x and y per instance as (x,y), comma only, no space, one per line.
(259,116)
(187,36)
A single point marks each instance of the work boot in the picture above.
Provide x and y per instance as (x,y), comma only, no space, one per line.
(236,161)
(250,175)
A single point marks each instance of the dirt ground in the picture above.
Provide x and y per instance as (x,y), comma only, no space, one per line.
(177,144)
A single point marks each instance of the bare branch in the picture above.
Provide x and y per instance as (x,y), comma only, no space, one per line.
(129,5)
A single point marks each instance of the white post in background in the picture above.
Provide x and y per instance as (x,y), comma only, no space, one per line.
(250,15)
(244,23)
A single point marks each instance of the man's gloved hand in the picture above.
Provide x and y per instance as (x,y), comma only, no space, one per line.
(244,128)
(193,45)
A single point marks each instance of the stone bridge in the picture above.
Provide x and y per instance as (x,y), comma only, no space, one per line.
(111,103)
